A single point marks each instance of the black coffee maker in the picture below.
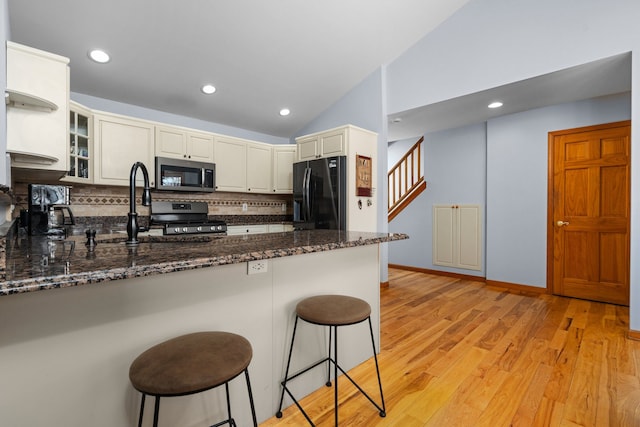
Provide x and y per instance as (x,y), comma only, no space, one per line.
(49,211)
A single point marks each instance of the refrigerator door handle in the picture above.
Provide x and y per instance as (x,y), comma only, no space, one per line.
(306,202)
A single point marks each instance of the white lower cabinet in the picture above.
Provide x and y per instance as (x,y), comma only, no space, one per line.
(119,143)
(457,236)
(235,230)
(279,228)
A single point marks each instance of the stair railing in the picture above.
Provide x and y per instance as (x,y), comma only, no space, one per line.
(405,177)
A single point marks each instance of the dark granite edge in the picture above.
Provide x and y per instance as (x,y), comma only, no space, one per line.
(100,276)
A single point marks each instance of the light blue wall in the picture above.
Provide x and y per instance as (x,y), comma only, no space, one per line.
(490,43)
(454,165)
(517,164)
(173,119)
(505,169)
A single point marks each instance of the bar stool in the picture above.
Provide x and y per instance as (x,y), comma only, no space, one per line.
(191,364)
(331,311)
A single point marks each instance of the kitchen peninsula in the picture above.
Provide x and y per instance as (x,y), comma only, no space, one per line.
(72,319)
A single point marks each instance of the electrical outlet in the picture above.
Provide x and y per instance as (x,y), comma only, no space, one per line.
(257,267)
(284,207)
(244,207)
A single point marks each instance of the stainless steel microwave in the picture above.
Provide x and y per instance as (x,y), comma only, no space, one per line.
(185,175)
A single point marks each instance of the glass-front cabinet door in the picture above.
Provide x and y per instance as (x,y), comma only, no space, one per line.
(80,145)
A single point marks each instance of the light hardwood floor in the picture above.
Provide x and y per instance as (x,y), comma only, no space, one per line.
(459,353)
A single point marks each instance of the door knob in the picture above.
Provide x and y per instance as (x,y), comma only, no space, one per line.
(562,223)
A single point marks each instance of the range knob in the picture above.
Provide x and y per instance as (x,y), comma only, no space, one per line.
(176,230)
(185,229)
(199,228)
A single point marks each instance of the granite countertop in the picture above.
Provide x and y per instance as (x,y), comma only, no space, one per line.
(38,263)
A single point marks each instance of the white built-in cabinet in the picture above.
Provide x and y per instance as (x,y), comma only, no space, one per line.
(237,230)
(326,144)
(230,155)
(37,98)
(242,165)
(258,167)
(119,142)
(80,144)
(282,173)
(457,236)
(180,143)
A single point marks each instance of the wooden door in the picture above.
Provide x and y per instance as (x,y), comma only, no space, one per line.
(588,231)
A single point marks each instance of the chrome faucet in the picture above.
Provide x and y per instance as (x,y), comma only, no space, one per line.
(132,223)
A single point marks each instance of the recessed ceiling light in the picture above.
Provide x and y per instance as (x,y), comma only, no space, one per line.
(208,89)
(495,104)
(285,112)
(99,56)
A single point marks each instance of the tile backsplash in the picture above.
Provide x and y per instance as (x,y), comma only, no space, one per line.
(112,201)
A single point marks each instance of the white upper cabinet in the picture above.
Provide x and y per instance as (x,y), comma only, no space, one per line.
(242,165)
(37,98)
(282,174)
(230,156)
(179,143)
(258,167)
(326,144)
(80,144)
(119,143)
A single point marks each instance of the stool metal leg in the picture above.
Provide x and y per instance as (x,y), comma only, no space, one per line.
(335,372)
(328,383)
(333,341)
(232,423)
(156,410)
(383,411)
(141,410)
(286,372)
(253,409)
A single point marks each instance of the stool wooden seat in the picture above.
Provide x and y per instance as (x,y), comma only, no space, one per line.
(332,311)
(191,364)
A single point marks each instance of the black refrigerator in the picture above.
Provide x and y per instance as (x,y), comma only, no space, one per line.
(319,194)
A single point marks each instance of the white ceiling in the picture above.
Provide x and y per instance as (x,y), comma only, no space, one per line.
(261,55)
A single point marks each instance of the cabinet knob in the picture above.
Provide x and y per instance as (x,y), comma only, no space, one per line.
(184,155)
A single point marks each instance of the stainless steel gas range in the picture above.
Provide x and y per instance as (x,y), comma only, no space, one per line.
(185,218)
